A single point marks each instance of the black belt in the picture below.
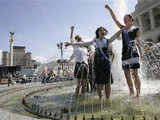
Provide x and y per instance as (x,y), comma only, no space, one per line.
(80,63)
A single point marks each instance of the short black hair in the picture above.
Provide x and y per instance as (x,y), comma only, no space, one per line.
(130,16)
(78,38)
(97,36)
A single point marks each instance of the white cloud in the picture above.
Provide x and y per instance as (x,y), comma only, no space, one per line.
(120,8)
(40,59)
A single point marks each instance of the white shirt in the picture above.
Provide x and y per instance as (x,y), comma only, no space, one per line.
(101,43)
(80,54)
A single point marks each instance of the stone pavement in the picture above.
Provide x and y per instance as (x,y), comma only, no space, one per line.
(5,115)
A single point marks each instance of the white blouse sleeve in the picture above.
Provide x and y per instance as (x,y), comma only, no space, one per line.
(84,43)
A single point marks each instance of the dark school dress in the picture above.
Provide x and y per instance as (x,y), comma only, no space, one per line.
(130,55)
(102,66)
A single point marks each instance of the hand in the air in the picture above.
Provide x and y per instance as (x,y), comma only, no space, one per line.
(72,27)
(107,6)
(67,44)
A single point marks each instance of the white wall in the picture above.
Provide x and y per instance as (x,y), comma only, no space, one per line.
(1,57)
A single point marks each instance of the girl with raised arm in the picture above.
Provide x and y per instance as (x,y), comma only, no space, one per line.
(130,55)
(101,60)
(81,67)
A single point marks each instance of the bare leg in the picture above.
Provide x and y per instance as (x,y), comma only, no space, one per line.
(129,81)
(83,83)
(99,91)
(108,90)
(78,87)
(137,81)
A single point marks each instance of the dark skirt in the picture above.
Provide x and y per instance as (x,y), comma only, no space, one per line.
(102,70)
(130,58)
(90,66)
(81,70)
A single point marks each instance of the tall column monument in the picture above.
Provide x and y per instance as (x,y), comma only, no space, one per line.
(11,48)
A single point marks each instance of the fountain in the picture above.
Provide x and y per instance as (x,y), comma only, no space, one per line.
(60,100)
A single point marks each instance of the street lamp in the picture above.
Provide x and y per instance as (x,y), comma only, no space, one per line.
(11,48)
(60,46)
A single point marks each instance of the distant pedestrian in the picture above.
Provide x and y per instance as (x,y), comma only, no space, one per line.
(44,75)
(9,79)
(24,79)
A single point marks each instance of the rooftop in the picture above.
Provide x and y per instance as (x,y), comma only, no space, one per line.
(19,47)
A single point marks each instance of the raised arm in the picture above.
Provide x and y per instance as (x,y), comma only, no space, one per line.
(114,17)
(79,43)
(72,30)
(117,34)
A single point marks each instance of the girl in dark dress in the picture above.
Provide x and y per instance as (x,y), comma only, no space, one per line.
(130,55)
(102,66)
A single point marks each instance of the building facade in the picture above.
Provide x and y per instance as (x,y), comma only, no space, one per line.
(6,58)
(18,55)
(147,15)
(21,57)
(1,57)
(27,59)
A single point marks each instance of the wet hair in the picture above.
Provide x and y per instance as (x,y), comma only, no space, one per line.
(78,38)
(130,16)
(97,35)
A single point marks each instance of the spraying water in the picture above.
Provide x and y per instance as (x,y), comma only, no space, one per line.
(120,9)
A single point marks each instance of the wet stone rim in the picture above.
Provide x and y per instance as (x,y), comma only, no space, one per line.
(35,108)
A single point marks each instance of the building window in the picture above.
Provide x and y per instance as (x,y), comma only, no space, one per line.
(156,14)
(146,22)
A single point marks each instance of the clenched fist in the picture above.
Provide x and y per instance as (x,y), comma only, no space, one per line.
(72,28)
(107,6)
(67,44)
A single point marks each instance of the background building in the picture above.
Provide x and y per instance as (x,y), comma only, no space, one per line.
(35,64)
(27,60)
(21,57)
(18,55)
(147,15)
(6,58)
(1,57)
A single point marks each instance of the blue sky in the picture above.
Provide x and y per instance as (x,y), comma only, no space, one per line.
(41,24)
